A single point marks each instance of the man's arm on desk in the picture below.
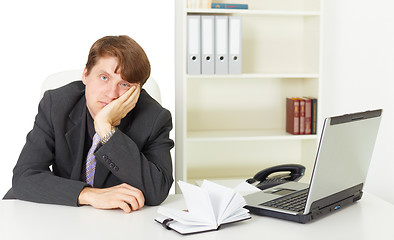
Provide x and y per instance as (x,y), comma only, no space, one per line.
(122,196)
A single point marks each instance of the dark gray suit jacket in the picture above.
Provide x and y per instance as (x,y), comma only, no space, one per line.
(138,153)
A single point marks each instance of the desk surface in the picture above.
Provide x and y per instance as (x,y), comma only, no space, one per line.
(370,218)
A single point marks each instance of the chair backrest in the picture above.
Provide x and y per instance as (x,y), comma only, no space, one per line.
(62,78)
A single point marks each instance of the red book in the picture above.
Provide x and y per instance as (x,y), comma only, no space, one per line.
(308,115)
(293,115)
(313,114)
(302,115)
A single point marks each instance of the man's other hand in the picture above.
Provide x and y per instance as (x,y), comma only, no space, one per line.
(122,196)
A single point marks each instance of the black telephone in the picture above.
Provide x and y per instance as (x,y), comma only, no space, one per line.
(296,173)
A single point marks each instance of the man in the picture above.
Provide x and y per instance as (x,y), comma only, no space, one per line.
(106,139)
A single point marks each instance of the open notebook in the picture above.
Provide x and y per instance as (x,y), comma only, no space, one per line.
(208,207)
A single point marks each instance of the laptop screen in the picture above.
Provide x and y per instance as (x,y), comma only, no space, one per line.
(344,154)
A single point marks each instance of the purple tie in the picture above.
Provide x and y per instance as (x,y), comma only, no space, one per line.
(90,164)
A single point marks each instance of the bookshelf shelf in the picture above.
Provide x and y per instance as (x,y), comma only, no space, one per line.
(245,135)
(254,12)
(257,75)
(230,126)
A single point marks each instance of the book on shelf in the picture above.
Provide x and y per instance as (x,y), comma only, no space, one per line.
(313,113)
(230,6)
(293,115)
(301,115)
(314,116)
(197,4)
(208,207)
(308,115)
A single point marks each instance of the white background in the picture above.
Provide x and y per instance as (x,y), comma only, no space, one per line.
(358,74)
(41,37)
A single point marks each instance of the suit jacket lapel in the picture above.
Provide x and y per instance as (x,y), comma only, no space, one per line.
(75,137)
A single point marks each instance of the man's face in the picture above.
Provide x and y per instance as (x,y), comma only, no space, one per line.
(103,85)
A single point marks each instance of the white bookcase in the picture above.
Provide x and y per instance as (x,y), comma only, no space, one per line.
(231,126)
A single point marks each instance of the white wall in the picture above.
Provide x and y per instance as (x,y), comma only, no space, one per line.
(358,71)
(41,37)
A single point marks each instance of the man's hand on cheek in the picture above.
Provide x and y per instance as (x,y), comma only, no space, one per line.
(112,114)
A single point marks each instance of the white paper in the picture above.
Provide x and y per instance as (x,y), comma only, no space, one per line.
(198,202)
(220,198)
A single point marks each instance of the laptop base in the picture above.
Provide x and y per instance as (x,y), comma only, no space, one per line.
(319,208)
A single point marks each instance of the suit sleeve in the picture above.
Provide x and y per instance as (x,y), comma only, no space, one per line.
(32,178)
(148,169)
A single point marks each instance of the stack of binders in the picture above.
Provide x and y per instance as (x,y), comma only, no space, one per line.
(214,44)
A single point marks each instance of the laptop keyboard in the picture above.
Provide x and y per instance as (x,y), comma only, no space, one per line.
(293,202)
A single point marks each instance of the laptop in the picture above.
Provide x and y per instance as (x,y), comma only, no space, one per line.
(340,169)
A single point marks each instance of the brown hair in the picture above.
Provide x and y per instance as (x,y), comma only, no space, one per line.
(132,61)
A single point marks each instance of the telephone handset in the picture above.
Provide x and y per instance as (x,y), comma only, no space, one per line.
(296,172)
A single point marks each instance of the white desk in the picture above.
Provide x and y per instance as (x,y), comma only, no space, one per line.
(370,218)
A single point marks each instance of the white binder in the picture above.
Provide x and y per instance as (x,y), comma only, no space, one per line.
(221,44)
(235,45)
(207,44)
(193,44)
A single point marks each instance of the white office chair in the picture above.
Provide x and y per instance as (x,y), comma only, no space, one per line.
(62,78)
